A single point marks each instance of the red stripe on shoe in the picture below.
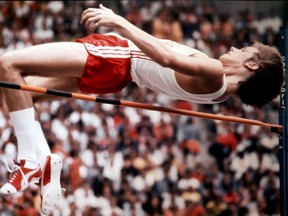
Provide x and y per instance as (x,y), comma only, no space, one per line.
(47,171)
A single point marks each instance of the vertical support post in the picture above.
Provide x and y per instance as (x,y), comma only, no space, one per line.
(283,115)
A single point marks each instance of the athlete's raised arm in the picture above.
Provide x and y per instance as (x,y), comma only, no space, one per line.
(151,46)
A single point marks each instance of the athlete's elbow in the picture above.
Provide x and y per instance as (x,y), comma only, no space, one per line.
(167,60)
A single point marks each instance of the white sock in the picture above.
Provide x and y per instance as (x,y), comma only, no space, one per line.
(42,147)
(24,125)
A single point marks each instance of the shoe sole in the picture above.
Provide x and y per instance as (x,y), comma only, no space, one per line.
(51,193)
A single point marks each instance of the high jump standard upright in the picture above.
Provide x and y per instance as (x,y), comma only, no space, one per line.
(283,120)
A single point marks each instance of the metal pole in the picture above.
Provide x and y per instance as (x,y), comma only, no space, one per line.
(283,114)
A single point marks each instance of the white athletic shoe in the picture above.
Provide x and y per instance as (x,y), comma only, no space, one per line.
(50,187)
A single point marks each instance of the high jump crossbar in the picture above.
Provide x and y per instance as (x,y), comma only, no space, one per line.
(273,127)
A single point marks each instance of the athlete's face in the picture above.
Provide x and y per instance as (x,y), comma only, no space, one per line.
(238,57)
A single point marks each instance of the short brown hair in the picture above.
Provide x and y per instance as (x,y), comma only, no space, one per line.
(265,84)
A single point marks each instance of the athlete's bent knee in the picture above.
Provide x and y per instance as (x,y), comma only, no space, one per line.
(7,67)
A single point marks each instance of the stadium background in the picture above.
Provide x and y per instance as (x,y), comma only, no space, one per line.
(123,161)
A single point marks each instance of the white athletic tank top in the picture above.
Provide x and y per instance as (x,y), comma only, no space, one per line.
(147,73)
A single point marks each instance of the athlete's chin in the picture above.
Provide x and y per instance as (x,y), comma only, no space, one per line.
(223,57)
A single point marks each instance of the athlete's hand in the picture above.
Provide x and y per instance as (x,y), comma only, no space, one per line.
(102,16)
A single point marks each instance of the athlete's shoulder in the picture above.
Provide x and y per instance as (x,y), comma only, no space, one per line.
(212,68)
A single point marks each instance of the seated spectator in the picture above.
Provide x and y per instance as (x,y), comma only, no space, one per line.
(165,26)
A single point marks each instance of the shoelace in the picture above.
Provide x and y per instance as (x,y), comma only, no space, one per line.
(14,172)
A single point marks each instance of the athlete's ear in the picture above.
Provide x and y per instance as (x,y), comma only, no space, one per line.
(252,65)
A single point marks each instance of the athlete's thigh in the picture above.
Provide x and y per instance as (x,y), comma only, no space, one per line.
(58,59)
(69,84)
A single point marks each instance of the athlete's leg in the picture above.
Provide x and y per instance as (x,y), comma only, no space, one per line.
(50,60)
(69,84)
(63,59)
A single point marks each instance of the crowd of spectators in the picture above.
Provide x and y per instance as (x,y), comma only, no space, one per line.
(124,161)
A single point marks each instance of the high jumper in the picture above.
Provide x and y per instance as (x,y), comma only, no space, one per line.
(106,63)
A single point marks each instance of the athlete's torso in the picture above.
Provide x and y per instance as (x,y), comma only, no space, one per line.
(147,73)
(144,71)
